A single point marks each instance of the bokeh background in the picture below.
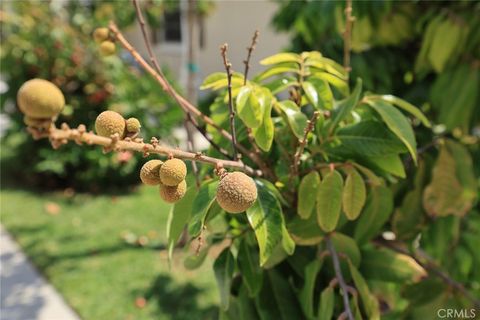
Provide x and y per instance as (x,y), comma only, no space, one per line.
(81,216)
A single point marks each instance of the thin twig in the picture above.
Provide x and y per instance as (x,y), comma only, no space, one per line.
(302,143)
(347,36)
(339,275)
(228,69)
(429,264)
(184,104)
(250,49)
(62,136)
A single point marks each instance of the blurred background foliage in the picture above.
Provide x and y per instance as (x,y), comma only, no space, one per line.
(40,42)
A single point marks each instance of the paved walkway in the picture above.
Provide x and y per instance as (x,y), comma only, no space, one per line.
(25,294)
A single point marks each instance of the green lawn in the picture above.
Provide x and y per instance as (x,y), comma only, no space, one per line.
(82,250)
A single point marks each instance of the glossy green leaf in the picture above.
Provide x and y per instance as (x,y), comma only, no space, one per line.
(250,269)
(376,212)
(281,58)
(195,260)
(369,302)
(327,304)
(305,232)
(265,133)
(178,217)
(200,207)
(223,268)
(340,84)
(266,219)
(369,138)
(249,108)
(354,195)
(410,108)
(307,194)
(373,179)
(389,266)
(276,70)
(306,293)
(345,107)
(325,95)
(390,163)
(345,245)
(294,116)
(281,84)
(218,80)
(311,93)
(397,123)
(329,201)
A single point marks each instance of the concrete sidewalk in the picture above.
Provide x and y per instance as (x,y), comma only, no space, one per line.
(25,294)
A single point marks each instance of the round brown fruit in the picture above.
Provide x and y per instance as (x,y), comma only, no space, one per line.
(236,192)
(38,98)
(150,172)
(172,172)
(133,125)
(108,123)
(172,194)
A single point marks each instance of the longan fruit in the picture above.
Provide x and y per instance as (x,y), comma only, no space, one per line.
(38,98)
(172,172)
(107,48)
(150,172)
(172,194)
(133,125)
(236,192)
(108,123)
(100,34)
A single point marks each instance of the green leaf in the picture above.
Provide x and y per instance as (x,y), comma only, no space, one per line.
(307,194)
(178,217)
(370,303)
(280,84)
(281,57)
(311,93)
(266,219)
(265,133)
(377,210)
(345,107)
(275,70)
(294,116)
(195,260)
(201,205)
(306,294)
(340,84)
(284,295)
(464,169)
(347,246)
(389,266)
(329,201)
(397,123)
(223,268)
(410,108)
(390,163)
(373,179)
(325,95)
(218,80)
(250,269)
(305,232)
(328,65)
(369,138)
(354,195)
(249,108)
(327,304)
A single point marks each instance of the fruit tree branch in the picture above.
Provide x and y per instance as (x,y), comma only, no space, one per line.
(341,280)
(249,55)
(79,135)
(228,69)
(303,142)
(347,36)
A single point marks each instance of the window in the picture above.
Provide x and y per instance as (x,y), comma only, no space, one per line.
(170,30)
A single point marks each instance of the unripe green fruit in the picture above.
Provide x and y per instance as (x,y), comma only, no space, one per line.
(38,98)
(172,194)
(150,172)
(133,125)
(108,123)
(172,172)
(100,34)
(107,48)
(236,192)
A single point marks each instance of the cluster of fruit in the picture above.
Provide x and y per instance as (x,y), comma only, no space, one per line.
(110,123)
(102,36)
(40,101)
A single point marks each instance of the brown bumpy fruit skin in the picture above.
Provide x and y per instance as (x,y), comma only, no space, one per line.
(172,194)
(108,123)
(150,172)
(100,34)
(38,98)
(107,48)
(172,172)
(133,125)
(236,192)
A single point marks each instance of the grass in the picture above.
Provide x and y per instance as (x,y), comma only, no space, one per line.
(79,243)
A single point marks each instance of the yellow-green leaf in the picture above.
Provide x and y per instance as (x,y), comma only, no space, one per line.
(307,194)
(311,93)
(329,201)
(354,195)
(281,57)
